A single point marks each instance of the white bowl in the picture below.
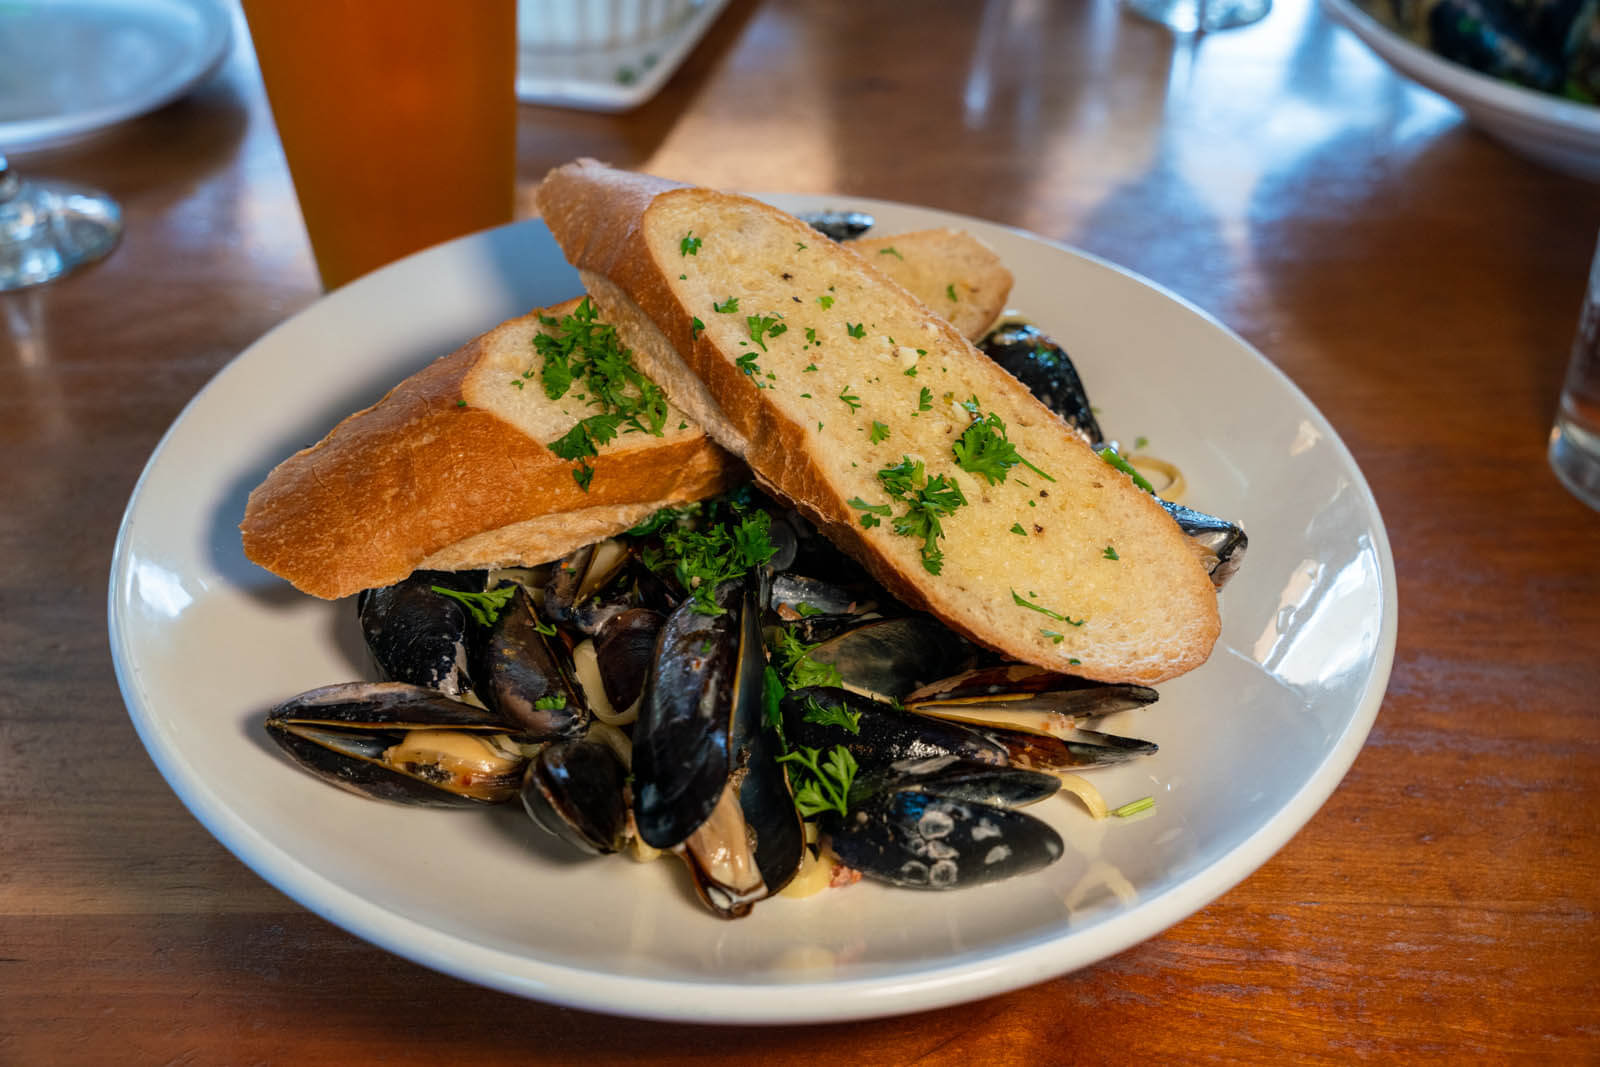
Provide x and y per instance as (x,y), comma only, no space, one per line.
(1559,133)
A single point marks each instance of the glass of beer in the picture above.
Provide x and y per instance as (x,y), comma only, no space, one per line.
(397,117)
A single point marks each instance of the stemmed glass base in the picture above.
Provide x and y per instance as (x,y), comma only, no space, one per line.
(50,228)
(1200,16)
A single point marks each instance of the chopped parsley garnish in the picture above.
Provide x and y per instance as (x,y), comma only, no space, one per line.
(911,371)
(1016,528)
(484,607)
(983,448)
(703,560)
(927,501)
(800,246)
(1109,454)
(809,367)
(950,291)
(829,784)
(891,251)
(1042,610)
(870,512)
(811,334)
(583,474)
(1140,442)
(461,403)
(925,399)
(747,363)
(826,301)
(1110,553)
(850,398)
(878,433)
(855,329)
(727,306)
(690,245)
(579,347)
(764,326)
(1053,635)
(695,326)
(553,702)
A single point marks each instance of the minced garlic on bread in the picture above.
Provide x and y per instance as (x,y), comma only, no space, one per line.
(876,418)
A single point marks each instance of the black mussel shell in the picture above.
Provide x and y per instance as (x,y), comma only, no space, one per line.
(625,650)
(877,733)
(957,779)
(803,596)
(1086,748)
(1223,539)
(681,757)
(574,790)
(417,635)
(526,676)
(892,657)
(345,734)
(1046,369)
(924,841)
(839,225)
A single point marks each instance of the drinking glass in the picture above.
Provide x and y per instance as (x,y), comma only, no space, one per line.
(1200,16)
(49,228)
(1575,438)
(397,117)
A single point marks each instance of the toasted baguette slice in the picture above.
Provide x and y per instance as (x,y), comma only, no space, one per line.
(419,481)
(819,409)
(951,271)
(452,471)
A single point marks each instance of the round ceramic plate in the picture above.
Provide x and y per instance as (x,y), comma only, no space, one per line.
(70,67)
(1252,743)
(1562,134)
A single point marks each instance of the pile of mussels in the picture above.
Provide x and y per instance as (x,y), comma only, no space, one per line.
(623,710)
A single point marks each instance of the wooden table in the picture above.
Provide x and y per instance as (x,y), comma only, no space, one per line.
(1418,281)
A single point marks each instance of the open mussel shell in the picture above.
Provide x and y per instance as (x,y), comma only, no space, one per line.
(526,676)
(399,742)
(420,636)
(1026,698)
(574,790)
(795,596)
(925,841)
(877,733)
(1074,752)
(1046,369)
(889,658)
(957,779)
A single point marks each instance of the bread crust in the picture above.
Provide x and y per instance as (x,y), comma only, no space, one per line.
(600,217)
(414,478)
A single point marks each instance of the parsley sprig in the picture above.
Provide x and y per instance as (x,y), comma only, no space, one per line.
(828,787)
(579,347)
(799,669)
(704,559)
(927,501)
(1042,610)
(484,607)
(984,450)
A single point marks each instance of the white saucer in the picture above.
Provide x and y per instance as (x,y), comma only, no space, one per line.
(71,67)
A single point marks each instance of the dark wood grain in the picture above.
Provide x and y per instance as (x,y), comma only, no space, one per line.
(1419,282)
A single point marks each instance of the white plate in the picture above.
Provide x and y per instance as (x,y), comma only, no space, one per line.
(610,78)
(1561,134)
(1252,743)
(70,67)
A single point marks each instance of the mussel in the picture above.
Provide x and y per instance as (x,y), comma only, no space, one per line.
(419,635)
(525,674)
(575,790)
(399,742)
(839,225)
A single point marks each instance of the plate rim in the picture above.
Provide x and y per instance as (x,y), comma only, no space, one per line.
(911,987)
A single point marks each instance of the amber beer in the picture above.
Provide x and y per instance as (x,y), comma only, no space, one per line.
(398,118)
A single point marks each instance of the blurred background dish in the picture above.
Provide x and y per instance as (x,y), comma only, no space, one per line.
(71,67)
(1552,130)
